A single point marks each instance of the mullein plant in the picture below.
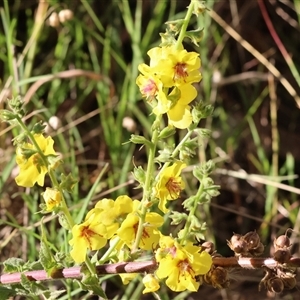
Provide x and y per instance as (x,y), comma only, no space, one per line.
(128,228)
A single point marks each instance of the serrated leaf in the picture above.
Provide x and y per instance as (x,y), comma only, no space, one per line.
(13,264)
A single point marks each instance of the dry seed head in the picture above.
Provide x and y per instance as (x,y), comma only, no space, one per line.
(253,240)
(282,242)
(217,277)
(275,285)
(238,244)
(289,282)
(282,256)
(208,247)
(259,250)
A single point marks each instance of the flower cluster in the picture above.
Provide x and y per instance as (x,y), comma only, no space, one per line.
(181,264)
(111,218)
(167,83)
(33,167)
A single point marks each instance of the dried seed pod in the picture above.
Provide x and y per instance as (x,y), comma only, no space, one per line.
(289,282)
(282,242)
(252,239)
(275,285)
(282,256)
(217,277)
(282,247)
(259,250)
(238,245)
(208,247)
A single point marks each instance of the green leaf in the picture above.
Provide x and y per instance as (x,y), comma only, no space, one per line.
(13,264)
(67,182)
(195,36)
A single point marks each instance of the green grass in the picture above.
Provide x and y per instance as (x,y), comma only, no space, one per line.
(110,41)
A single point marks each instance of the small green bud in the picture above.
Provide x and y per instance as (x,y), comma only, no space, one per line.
(27,153)
(178,217)
(195,36)
(7,115)
(139,139)
(167,39)
(175,26)
(188,149)
(165,155)
(201,111)
(67,182)
(167,132)
(38,128)
(203,132)
(199,7)
(139,175)
(203,170)
(63,221)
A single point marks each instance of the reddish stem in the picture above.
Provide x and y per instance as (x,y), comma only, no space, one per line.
(141,267)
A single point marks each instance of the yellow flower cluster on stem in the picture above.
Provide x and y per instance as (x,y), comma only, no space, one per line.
(131,226)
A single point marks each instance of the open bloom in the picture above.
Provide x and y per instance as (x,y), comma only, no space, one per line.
(169,184)
(181,264)
(112,213)
(174,66)
(33,168)
(176,105)
(90,234)
(150,236)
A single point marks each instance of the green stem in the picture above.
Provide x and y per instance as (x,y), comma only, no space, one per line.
(185,24)
(148,183)
(112,247)
(193,210)
(175,153)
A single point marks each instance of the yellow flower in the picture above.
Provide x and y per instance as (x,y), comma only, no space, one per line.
(111,213)
(151,284)
(150,236)
(33,169)
(175,67)
(169,185)
(52,198)
(181,265)
(126,278)
(148,82)
(87,235)
(176,105)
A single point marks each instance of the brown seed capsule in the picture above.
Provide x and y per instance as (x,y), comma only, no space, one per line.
(252,239)
(217,277)
(275,285)
(282,242)
(238,245)
(208,247)
(259,250)
(289,282)
(282,256)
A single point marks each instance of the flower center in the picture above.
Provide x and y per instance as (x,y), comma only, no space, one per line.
(173,187)
(150,89)
(180,72)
